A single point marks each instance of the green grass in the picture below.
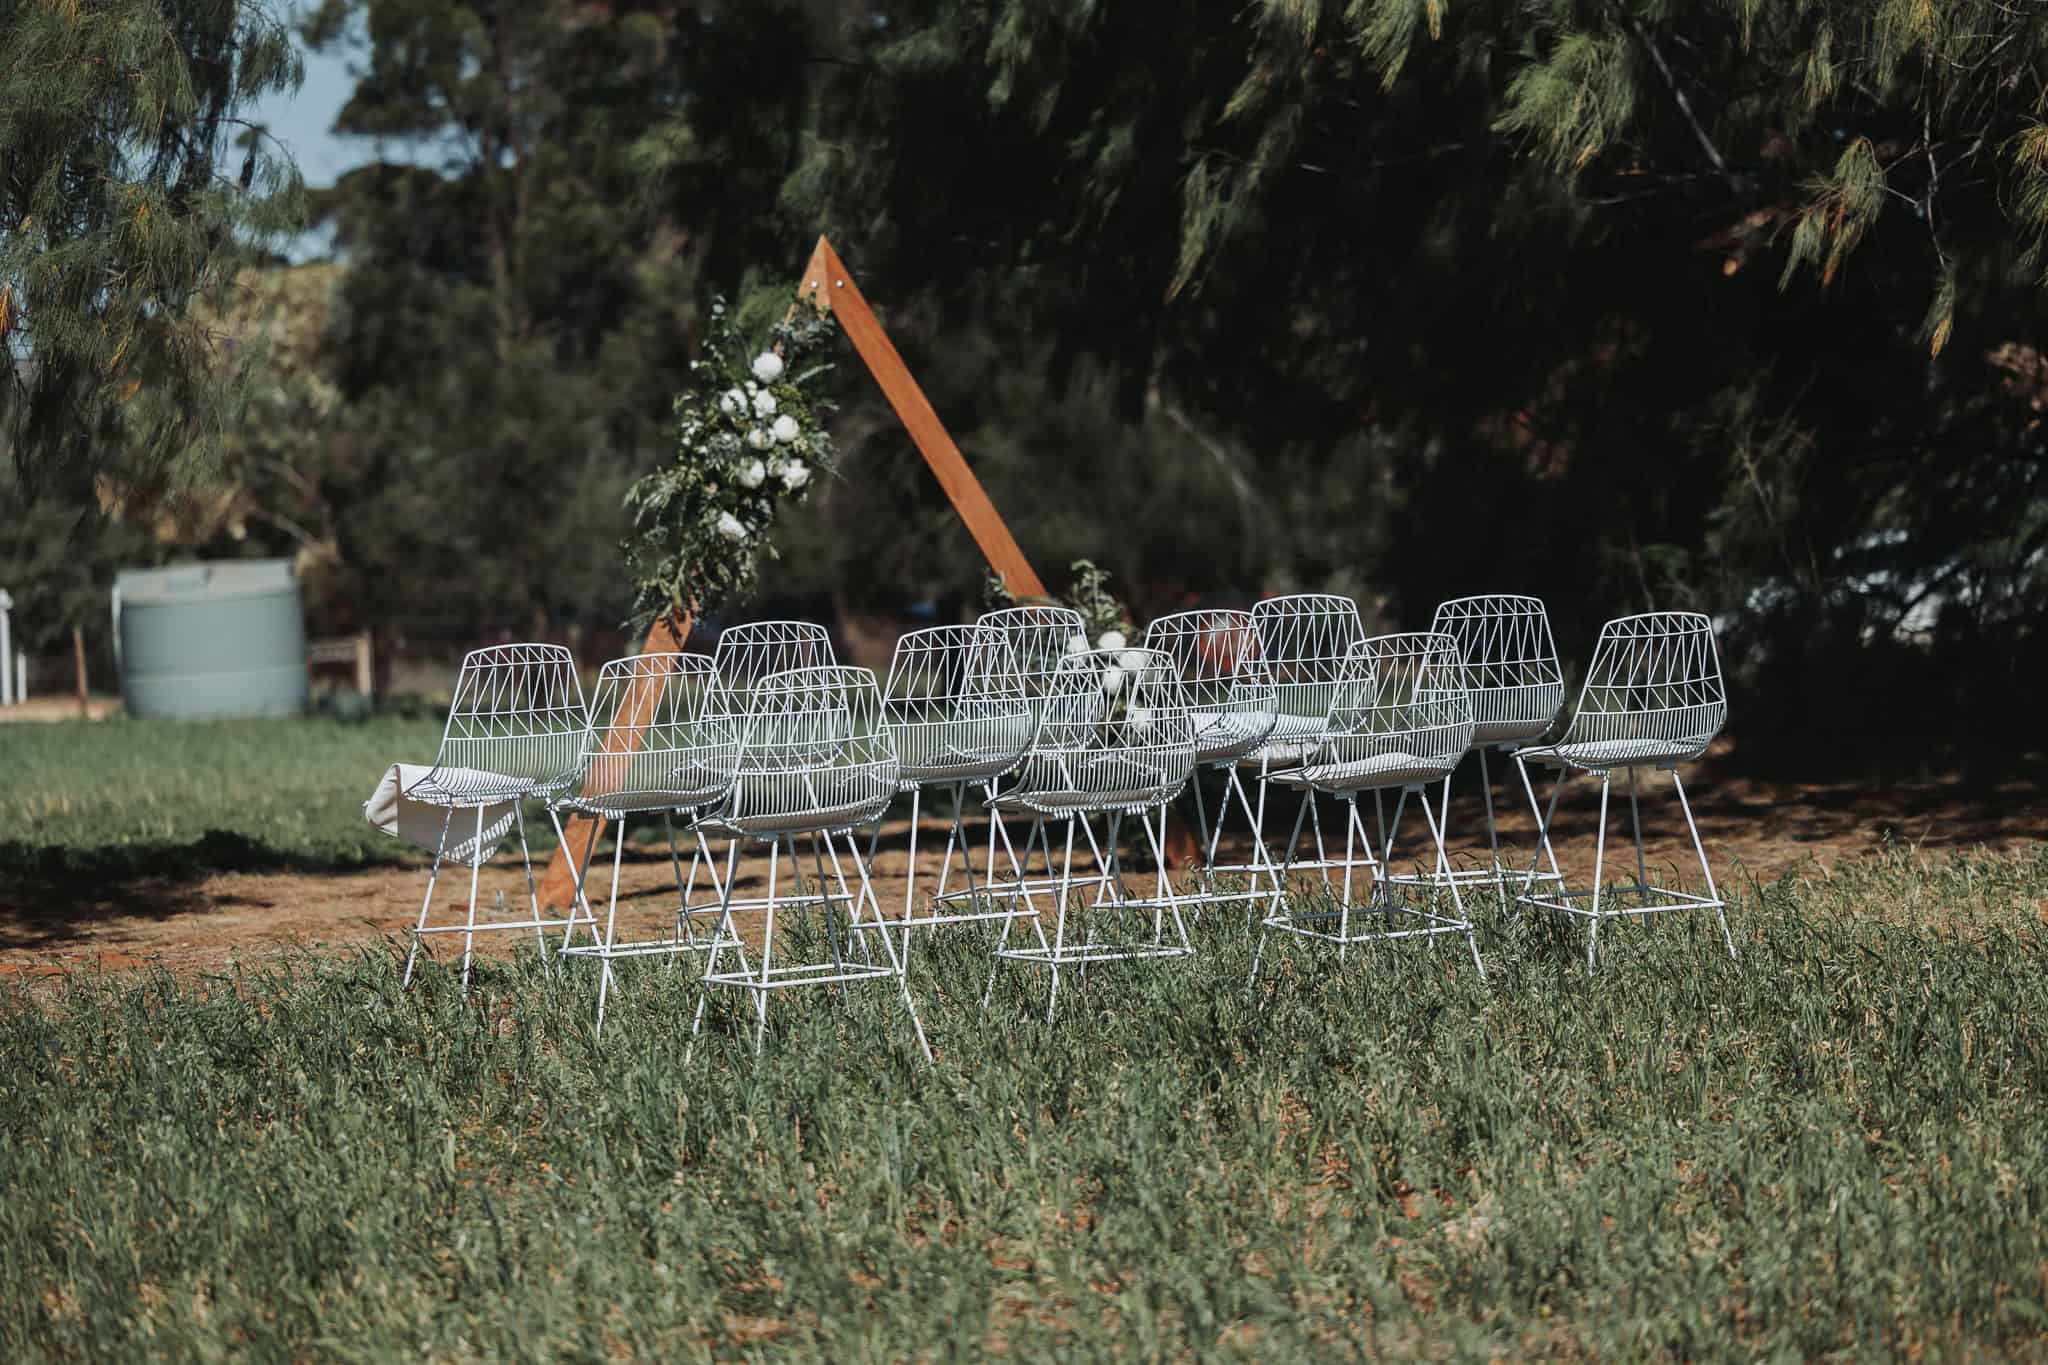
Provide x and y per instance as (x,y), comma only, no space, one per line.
(1837,1148)
(153,796)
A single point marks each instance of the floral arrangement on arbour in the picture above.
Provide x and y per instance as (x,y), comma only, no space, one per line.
(750,438)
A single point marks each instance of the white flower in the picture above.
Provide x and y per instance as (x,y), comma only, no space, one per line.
(759,439)
(1077,644)
(1141,720)
(733,403)
(767,367)
(1133,660)
(786,429)
(1111,639)
(752,387)
(752,473)
(1112,680)
(731,527)
(795,474)
(764,404)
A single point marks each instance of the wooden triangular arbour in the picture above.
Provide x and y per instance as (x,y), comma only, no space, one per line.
(829,287)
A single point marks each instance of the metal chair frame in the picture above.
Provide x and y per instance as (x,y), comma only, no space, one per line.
(1041,639)
(1233,706)
(514,731)
(1115,739)
(1399,719)
(957,711)
(815,759)
(1653,698)
(1517,688)
(1304,641)
(658,753)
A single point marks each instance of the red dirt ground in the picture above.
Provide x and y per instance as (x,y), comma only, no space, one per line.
(1753,827)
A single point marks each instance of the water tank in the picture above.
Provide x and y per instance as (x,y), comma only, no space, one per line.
(224,639)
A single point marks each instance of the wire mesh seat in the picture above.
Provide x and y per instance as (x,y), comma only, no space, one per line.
(1399,719)
(1115,740)
(1653,698)
(659,753)
(1232,708)
(1516,684)
(515,731)
(815,759)
(958,715)
(1303,642)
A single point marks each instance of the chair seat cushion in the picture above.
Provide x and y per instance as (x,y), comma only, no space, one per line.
(1228,734)
(1394,769)
(1109,782)
(1598,755)
(795,802)
(1293,739)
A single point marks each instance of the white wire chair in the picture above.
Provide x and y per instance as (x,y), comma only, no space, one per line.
(659,752)
(814,759)
(1233,707)
(747,653)
(1517,688)
(1399,719)
(515,731)
(1041,638)
(1303,640)
(1653,698)
(1115,740)
(959,717)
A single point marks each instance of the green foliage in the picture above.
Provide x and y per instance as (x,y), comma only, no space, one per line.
(1835,1148)
(131,189)
(1087,593)
(749,440)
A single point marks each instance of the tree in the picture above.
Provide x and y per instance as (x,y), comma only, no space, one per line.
(130,188)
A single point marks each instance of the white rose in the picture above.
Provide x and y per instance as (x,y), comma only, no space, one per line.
(1111,639)
(752,387)
(733,403)
(764,404)
(786,429)
(1133,660)
(759,439)
(753,473)
(1141,720)
(795,475)
(731,527)
(1077,644)
(767,367)
(1112,680)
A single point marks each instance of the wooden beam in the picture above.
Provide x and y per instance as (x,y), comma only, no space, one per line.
(828,286)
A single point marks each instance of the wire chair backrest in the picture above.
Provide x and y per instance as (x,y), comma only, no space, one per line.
(1655,679)
(813,740)
(1511,666)
(747,653)
(1402,695)
(1232,702)
(1117,732)
(1039,637)
(652,744)
(1304,639)
(955,705)
(518,713)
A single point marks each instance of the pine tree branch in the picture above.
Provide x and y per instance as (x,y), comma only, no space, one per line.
(1735,182)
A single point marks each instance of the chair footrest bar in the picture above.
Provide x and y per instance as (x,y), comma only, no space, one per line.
(1079,955)
(1022,912)
(499,926)
(828,974)
(1436,926)
(1031,886)
(1467,876)
(645,948)
(1676,900)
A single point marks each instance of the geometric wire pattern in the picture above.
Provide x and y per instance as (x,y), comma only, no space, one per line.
(747,653)
(659,750)
(1304,640)
(1511,666)
(1653,694)
(515,728)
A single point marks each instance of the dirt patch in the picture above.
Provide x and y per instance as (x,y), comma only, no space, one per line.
(1752,826)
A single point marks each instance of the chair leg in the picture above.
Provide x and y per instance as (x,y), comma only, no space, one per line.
(1543,821)
(836,930)
(1720,911)
(1457,899)
(1350,803)
(476,863)
(684,930)
(579,872)
(720,936)
(1599,869)
(1180,927)
(611,922)
(1261,859)
(767,951)
(1059,933)
(899,965)
(532,891)
(1279,897)
(427,901)
(1500,881)
(1635,820)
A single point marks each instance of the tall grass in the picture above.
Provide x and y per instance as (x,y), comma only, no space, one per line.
(1836,1147)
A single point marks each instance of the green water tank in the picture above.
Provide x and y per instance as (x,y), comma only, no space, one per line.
(225,639)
